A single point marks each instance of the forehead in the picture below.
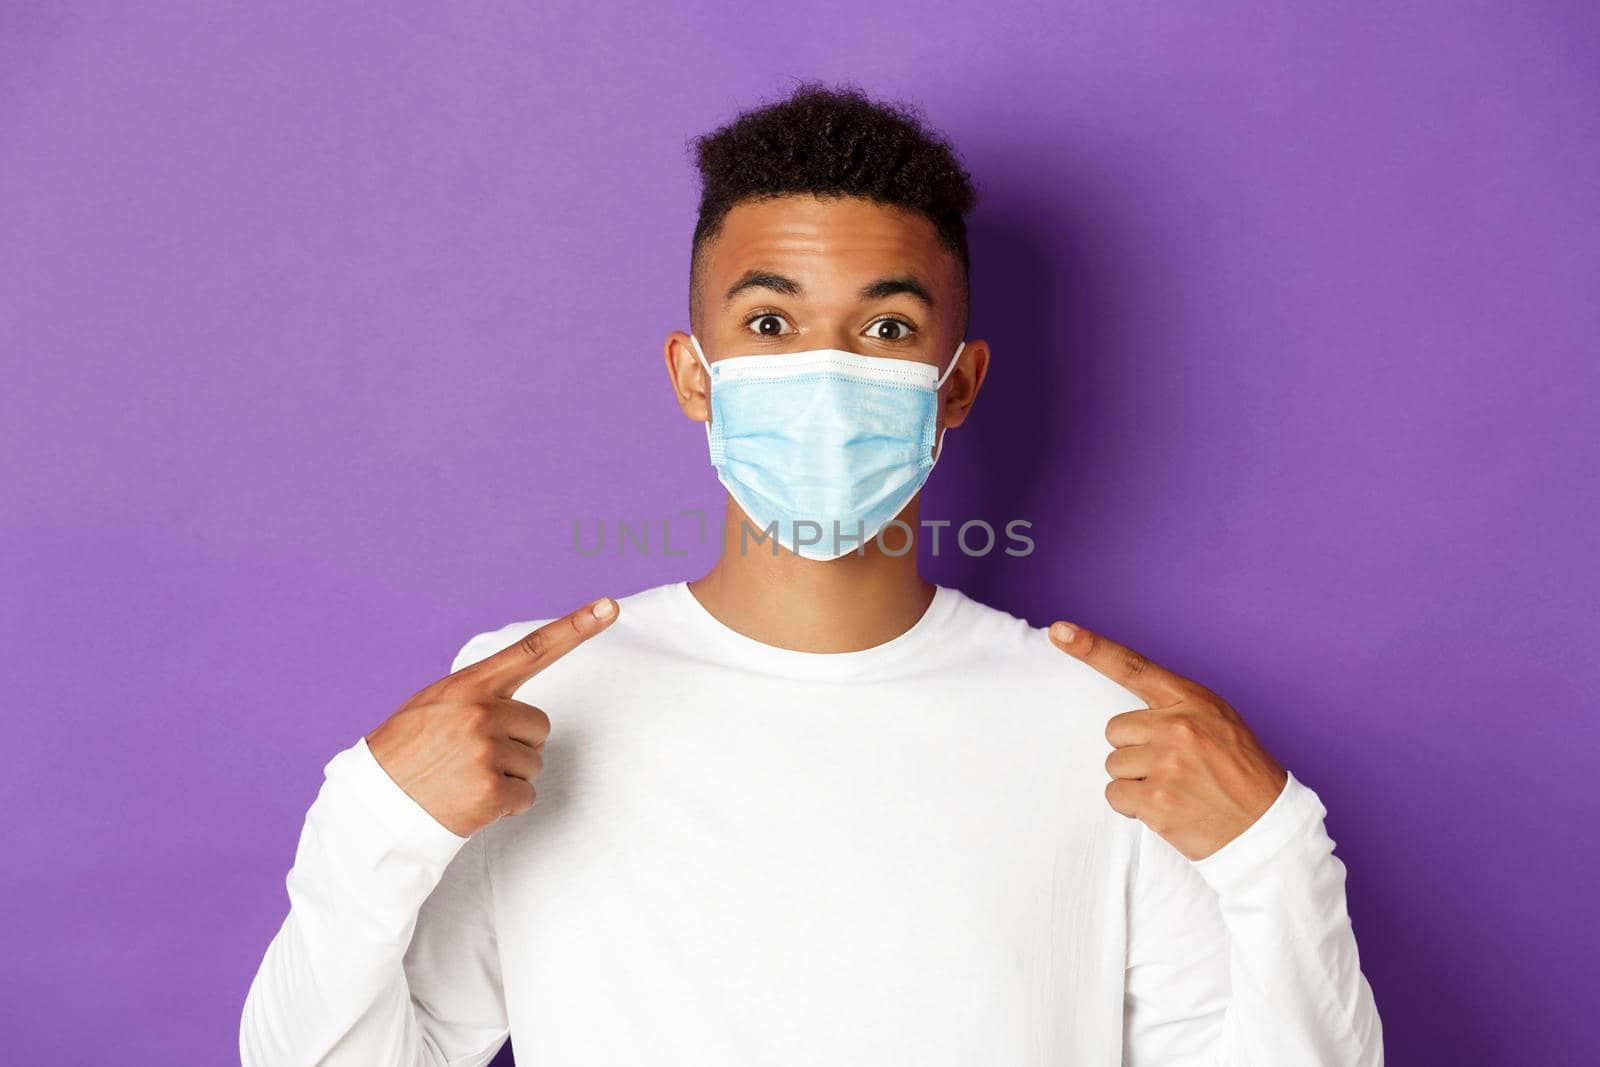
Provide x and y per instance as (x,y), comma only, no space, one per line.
(828,242)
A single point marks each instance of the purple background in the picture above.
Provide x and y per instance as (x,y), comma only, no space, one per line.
(320,328)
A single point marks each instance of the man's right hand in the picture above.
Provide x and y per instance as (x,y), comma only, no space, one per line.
(462,748)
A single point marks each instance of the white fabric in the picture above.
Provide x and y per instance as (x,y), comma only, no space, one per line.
(743,855)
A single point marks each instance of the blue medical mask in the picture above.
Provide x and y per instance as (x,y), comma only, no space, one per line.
(828,445)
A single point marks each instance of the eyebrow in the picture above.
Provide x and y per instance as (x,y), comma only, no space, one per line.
(877,289)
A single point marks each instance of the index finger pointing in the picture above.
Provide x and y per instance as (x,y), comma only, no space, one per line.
(1153,684)
(507,669)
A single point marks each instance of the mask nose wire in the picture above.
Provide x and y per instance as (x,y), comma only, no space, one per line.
(699,354)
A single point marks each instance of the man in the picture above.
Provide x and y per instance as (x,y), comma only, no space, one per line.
(810,808)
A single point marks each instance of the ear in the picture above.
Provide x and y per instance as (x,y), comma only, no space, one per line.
(689,380)
(961,388)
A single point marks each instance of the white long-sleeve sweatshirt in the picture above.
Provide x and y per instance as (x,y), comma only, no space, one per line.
(746,855)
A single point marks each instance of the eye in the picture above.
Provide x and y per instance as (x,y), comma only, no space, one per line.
(765,323)
(892,329)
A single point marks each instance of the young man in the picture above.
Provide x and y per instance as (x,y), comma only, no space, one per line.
(809,808)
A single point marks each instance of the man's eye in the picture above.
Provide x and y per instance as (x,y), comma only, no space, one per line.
(767,325)
(891,329)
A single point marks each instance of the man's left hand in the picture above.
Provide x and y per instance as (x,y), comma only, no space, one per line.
(1186,765)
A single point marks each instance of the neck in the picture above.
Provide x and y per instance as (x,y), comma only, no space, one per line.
(841,605)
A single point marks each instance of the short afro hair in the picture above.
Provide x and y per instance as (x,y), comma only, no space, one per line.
(833,142)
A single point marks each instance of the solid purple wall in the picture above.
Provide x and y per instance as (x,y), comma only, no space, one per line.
(320,330)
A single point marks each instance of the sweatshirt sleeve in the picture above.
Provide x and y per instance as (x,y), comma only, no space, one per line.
(1247,958)
(387,957)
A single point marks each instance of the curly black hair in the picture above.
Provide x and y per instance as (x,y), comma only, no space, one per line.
(833,142)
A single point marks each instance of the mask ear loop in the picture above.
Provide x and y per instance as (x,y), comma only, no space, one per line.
(938,445)
(701,356)
(953,361)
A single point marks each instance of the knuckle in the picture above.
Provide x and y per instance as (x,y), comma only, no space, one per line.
(541,721)
(1117,796)
(1184,728)
(489,786)
(534,644)
(1132,662)
(1228,735)
(518,797)
(499,795)
(476,716)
